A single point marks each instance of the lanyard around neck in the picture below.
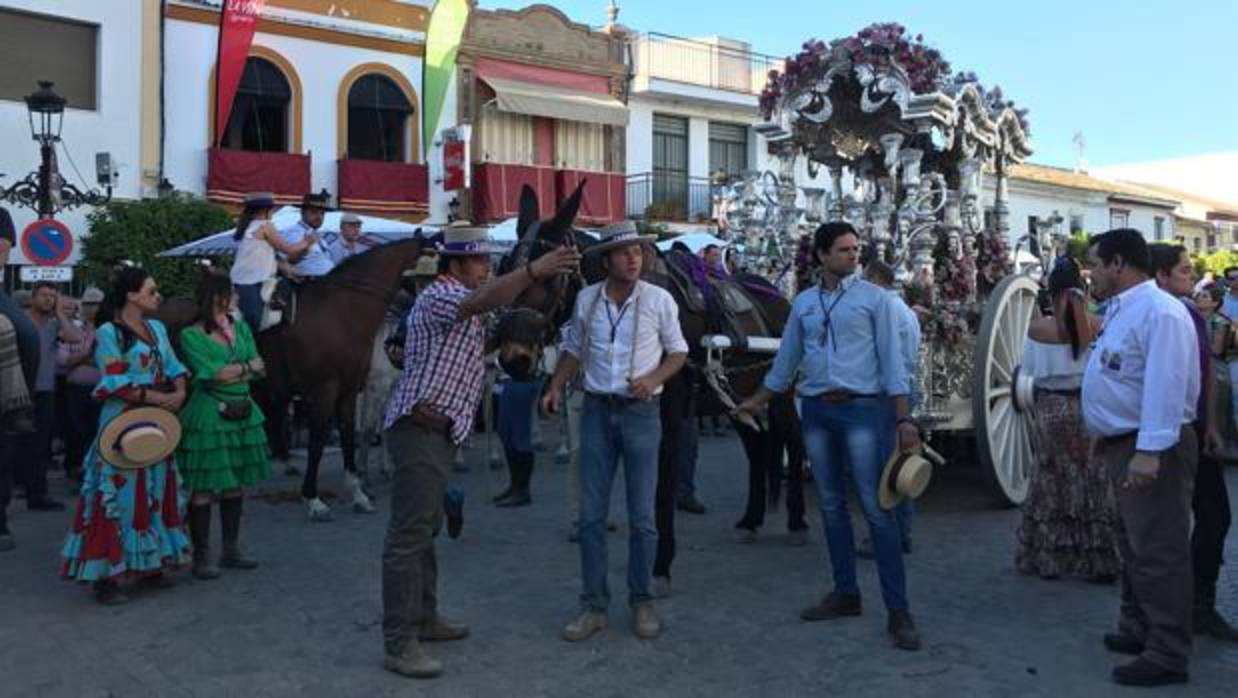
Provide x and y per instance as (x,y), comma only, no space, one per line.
(615,321)
(828,313)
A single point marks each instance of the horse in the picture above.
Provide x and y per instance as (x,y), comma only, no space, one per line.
(554,300)
(324,356)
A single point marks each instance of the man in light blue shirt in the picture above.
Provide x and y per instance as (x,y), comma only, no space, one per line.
(843,338)
(314,261)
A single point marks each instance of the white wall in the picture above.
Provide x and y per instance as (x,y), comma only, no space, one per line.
(114,126)
(320,67)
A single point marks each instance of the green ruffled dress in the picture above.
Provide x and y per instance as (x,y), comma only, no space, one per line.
(215,453)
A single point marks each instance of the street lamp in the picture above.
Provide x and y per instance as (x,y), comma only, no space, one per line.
(45,191)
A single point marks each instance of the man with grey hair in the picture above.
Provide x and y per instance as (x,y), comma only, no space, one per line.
(349,242)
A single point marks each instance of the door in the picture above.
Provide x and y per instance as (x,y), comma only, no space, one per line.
(670,165)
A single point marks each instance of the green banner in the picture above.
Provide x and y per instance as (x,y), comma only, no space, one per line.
(447,21)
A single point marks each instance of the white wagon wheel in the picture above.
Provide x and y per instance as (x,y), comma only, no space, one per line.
(1001,396)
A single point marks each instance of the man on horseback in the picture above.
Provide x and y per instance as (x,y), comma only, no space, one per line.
(429,415)
(625,334)
(313,261)
(843,339)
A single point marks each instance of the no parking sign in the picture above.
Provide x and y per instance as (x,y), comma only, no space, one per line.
(46,242)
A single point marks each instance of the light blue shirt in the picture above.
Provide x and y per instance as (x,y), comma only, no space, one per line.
(908,334)
(860,354)
(316,261)
(1229,306)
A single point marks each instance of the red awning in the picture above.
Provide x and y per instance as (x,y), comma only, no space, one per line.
(552,93)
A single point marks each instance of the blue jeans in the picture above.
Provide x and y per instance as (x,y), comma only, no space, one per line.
(249,300)
(854,433)
(610,430)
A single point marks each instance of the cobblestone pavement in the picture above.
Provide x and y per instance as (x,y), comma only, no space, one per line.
(307,622)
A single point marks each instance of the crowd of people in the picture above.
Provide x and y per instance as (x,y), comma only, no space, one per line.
(1129,363)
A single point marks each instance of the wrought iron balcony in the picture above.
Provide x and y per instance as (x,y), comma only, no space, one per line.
(663,196)
(717,66)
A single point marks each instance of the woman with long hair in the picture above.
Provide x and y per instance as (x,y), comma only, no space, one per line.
(223,445)
(129,519)
(257,241)
(1069,516)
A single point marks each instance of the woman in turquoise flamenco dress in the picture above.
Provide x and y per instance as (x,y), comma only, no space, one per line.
(224,446)
(128,523)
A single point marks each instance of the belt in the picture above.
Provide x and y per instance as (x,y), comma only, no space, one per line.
(614,400)
(1065,392)
(430,420)
(1119,437)
(836,396)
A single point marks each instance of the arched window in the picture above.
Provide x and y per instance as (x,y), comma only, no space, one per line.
(378,117)
(260,112)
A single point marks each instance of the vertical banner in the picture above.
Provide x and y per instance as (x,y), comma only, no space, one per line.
(456,158)
(447,22)
(237,22)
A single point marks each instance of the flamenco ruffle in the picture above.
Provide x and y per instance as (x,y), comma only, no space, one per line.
(224,459)
(99,547)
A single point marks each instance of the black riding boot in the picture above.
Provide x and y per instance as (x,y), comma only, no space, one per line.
(230,520)
(522,473)
(200,532)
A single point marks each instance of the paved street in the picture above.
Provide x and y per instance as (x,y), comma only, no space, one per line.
(307,623)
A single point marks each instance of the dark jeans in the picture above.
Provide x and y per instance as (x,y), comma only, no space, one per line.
(80,426)
(689,434)
(249,300)
(34,451)
(421,461)
(1210,504)
(27,338)
(1153,527)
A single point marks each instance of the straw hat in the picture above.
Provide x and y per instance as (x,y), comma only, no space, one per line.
(619,234)
(139,437)
(905,475)
(463,239)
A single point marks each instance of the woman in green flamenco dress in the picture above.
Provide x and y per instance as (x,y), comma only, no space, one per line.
(224,446)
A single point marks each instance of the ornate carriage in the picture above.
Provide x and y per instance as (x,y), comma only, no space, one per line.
(908,152)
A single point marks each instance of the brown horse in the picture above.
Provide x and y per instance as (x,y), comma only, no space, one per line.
(681,395)
(324,356)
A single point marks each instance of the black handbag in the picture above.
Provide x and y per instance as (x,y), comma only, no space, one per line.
(233,409)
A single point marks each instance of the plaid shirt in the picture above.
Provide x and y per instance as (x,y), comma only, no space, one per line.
(443,367)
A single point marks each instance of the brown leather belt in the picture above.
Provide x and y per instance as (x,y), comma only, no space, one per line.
(430,420)
(836,396)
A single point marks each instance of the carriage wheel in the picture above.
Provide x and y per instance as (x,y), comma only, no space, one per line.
(1004,424)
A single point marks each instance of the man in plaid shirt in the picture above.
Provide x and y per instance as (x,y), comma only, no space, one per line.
(429,415)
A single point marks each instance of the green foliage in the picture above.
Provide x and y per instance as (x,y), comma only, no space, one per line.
(1216,262)
(139,230)
(1078,247)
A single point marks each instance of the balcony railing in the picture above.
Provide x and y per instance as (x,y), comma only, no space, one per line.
(661,196)
(694,62)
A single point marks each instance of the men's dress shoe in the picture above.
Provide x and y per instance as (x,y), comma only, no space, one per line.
(502,495)
(1142,672)
(443,630)
(6,542)
(645,622)
(834,605)
(902,630)
(797,537)
(585,625)
(1123,643)
(690,504)
(44,504)
(453,509)
(413,662)
(515,499)
(660,587)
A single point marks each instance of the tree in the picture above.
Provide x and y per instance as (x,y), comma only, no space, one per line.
(139,230)
(1218,262)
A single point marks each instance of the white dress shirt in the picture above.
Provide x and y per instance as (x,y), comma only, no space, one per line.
(614,343)
(316,261)
(1143,373)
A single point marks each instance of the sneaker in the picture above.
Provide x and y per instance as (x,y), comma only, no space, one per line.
(834,605)
(1142,672)
(585,625)
(414,663)
(645,622)
(902,630)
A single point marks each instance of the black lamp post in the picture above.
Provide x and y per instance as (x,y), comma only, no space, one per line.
(45,191)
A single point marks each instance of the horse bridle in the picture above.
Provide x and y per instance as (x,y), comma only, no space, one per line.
(533,246)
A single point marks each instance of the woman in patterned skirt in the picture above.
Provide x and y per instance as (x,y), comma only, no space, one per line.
(224,447)
(128,522)
(1069,516)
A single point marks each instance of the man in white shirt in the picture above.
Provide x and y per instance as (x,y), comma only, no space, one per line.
(625,334)
(313,261)
(1139,396)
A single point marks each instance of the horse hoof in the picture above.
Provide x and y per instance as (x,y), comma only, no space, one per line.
(292,471)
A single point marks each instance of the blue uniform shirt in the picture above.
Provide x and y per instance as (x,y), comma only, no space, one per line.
(858,353)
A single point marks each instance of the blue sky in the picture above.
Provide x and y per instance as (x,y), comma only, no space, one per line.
(1141,80)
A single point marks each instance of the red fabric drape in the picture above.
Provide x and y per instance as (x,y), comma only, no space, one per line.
(543,141)
(496,190)
(233,173)
(384,186)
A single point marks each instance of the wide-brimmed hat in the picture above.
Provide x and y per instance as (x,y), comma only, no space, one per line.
(346,218)
(92,295)
(619,234)
(321,200)
(427,265)
(904,475)
(259,199)
(139,437)
(463,239)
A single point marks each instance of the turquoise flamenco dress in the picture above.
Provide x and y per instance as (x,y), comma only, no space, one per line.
(128,522)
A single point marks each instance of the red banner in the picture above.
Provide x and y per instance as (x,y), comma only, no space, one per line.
(453,165)
(236,32)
